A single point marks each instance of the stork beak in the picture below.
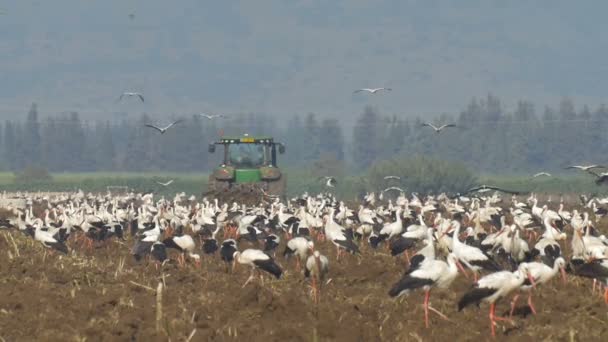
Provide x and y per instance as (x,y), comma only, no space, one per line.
(446,232)
(563,272)
(500,232)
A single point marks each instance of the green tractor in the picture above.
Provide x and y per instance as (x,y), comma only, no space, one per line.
(249,166)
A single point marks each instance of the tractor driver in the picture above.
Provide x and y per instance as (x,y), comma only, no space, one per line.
(236,155)
(247,155)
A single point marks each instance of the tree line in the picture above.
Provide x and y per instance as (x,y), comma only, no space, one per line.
(487,139)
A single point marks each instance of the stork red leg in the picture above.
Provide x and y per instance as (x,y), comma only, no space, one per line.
(251,277)
(513,303)
(427,295)
(461,268)
(492,323)
(315,297)
(530,304)
(494,318)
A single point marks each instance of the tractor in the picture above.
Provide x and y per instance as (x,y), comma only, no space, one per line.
(249,166)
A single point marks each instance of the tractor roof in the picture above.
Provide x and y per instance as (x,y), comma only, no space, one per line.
(245,139)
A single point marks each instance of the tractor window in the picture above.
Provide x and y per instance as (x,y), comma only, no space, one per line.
(246,155)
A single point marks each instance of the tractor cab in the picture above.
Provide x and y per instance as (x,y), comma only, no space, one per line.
(248,160)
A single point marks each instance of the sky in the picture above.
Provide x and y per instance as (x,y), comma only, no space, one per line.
(287,57)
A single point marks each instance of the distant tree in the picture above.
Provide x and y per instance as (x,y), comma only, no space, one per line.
(566,109)
(422,175)
(52,138)
(210,133)
(493,108)
(75,144)
(585,113)
(9,145)
(395,138)
(141,150)
(21,158)
(331,139)
(366,140)
(295,140)
(105,155)
(599,128)
(312,132)
(473,114)
(522,139)
(31,143)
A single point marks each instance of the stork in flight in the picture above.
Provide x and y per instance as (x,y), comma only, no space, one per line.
(131,94)
(393,188)
(547,174)
(330,182)
(165,184)
(438,129)
(585,167)
(161,129)
(371,90)
(486,188)
(212,116)
(392,177)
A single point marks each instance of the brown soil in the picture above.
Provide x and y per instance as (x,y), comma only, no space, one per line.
(89,296)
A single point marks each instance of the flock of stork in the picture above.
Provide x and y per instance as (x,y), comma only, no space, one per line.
(517,245)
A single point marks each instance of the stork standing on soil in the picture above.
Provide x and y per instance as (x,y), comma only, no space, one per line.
(541,274)
(335,233)
(185,244)
(492,288)
(300,247)
(229,247)
(433,273)
(48,241)
(595,269)
(257,260)
(317,266)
